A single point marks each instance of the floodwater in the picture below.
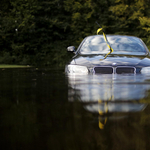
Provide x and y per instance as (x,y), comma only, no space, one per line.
(43,109)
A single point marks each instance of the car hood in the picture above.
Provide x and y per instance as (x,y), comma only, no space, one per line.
(110,60)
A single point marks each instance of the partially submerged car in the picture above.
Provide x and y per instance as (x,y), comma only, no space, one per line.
(129,56)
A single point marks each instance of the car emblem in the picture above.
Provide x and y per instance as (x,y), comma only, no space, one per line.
(114,64)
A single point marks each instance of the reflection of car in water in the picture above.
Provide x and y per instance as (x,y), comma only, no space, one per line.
(107,94)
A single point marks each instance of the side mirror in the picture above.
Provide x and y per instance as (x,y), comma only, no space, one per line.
(71,49)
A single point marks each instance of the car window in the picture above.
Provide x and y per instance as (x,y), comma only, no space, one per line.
(120,44)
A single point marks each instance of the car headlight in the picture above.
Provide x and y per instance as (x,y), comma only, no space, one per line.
(75,69)
(145,70)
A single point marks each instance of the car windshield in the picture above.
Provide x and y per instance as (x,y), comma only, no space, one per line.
(120,45)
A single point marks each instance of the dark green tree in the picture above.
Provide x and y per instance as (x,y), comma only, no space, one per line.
(37,32)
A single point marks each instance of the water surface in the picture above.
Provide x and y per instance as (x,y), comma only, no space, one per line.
(45,109)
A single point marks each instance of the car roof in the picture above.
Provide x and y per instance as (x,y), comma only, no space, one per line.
(114,35)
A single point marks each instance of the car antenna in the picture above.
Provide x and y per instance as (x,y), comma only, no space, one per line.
(101,29)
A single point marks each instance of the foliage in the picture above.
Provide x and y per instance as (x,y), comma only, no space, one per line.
(131,17)
(37,32)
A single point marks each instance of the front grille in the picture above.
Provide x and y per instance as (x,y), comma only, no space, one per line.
(121,70)
(103,70)
(118,70)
